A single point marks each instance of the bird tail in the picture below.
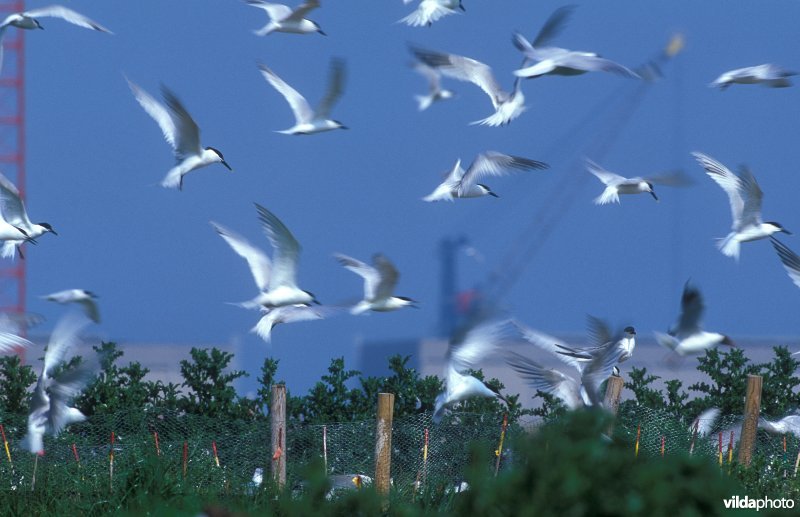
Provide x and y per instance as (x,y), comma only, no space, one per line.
(424,101)
(609,195)
(729,246)
(9,249)
(359,308)
(666,341)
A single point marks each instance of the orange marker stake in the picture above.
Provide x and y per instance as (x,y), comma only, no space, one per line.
(75,453)
(214,447)
(720,448)
(158,448)
(663,444)
(5,443)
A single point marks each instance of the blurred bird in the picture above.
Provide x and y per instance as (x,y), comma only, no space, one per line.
(283,19)
(616,184)
(787,424)
(601,334)
(287,314)
(10,328)
(790,260)
(705,421)
(687,337)
(181,133)
(29,19)
(767,74)
(435,91)
(14,213)
(508,106)
(463,184)
(465,351)
(380,280)
(559,61)
(80,296)
(307,120)
(275,279)
(429,11)
(49,409)
(745,198)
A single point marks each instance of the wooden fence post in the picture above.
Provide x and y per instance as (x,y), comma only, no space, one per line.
(383,443)
(613,394)
(277,413)
(752,408)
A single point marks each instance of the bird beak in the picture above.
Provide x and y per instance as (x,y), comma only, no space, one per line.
(787,232)
(344,127)
(226,165)
(321,32)
(654,195)
(53,232)
(492,194)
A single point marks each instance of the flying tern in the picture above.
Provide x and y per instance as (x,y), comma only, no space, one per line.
(29,19)
(464,352)
(14,213)
(616,184)
(790,260)
(508,106)
(307,120)
(380,280)
(84,298)
(601,335)
(429,11)
(787,424)
(464,184)
(687,337)
(745,198)
(181,132)
(435,91)
(49,410)
(283,19)
(276,278)
(767,74)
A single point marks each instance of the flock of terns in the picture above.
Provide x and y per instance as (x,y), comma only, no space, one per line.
(281,300)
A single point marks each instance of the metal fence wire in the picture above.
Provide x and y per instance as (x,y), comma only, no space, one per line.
(213,455)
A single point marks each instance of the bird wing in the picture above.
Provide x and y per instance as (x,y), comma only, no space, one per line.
(276,12)
(790,260)
(66,386)
(549,344)
(598,370)
(159,113)
(13,208)
(492,163)
(433,76)
(388,275)
(464,69)
(336,78)
(64,336)
(553,26)
(427,12)
(466,351)
(75,18)
(592,63)
(287,249)
(91,309)
(10,342)
(671,178)
(284,314)
(302,10)
(729,182)
(187,137)
(257,260)
(371,275)
(300,107)
(548,380)
(691,311)
(599,331)
(753,196)
(705,421)
(607,177)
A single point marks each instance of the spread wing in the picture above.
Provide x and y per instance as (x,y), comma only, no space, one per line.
(257,260)
(300,107)
(287,249)
(335,88)
(492,163)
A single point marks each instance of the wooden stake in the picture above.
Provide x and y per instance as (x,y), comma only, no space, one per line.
(613,393)
(383,443)
(752,409)
(663,444)
(277,413)
(185,456)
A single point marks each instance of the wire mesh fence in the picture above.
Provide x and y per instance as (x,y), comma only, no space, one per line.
(201,454)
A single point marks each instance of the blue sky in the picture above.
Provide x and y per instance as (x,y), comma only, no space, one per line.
(95,160)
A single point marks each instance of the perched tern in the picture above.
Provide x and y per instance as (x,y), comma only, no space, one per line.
(49,410)
(745,198)
(275,279)
(435,91)
(508,106)
(84,298)
(181,132)
(307,120)
(464,184)
(768,74)
(429,11)
(380,280)
(616,184)
(790,260)
(464,353)
(687,337)
(14,213)
(283,19)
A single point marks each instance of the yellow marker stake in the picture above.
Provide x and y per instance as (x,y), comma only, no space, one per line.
(5,443)
(638,434)
(499,450)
